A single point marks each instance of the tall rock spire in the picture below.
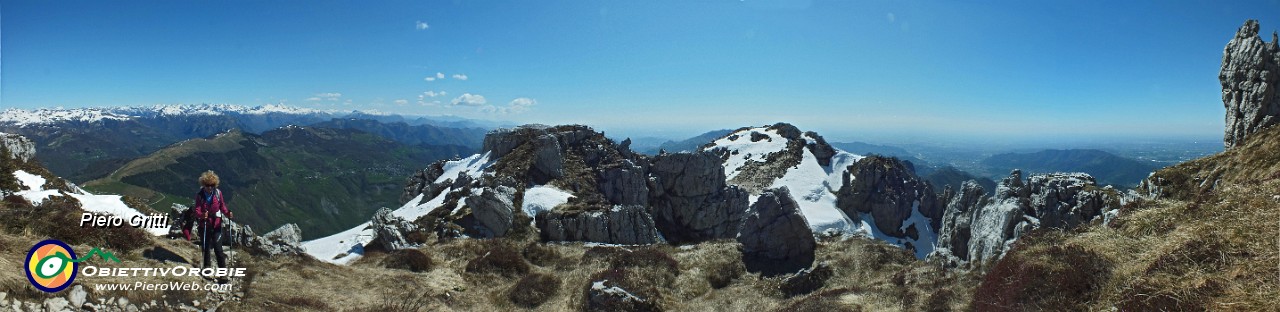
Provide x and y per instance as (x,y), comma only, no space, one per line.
(1249,76)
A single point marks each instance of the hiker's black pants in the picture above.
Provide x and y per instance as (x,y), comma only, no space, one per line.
(211,238)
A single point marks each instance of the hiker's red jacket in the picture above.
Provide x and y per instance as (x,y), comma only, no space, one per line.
(211,208)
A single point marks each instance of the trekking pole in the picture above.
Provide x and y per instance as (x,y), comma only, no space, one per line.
(203,241)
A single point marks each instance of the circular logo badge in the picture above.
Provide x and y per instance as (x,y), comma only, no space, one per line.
(50,267)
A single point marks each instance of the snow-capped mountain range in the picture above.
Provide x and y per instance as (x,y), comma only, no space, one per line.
(50,116)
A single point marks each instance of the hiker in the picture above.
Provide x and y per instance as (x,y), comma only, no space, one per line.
(209,210)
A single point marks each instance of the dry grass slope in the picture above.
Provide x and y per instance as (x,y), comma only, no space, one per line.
(1212,243)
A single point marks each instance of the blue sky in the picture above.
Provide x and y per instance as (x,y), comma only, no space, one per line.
(871,70)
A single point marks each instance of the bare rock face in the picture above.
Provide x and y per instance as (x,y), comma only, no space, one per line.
(500,142)
(956,227)
(628,225)
(976,229)
(19,147)
(1249,74)
(775,237)
(548,162)
(691,201)
(390,230)
(888,189)
(493,209)
(624,184)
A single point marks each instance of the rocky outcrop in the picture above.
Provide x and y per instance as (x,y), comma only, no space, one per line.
(18,147)
(888,189)
(1065,200)
(286,240)
(819,148)
(976,229)
(955,229)
(691,201)
(423,182)
(1249,74)
(547,159)
(493,209)
(628,225)
(391,230)
(786,130)
(501,141)
(775,237)
(624,184)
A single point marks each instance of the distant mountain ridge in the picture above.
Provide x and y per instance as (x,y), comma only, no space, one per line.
(83,144)
(411,134)
(1106,167)
(691,144)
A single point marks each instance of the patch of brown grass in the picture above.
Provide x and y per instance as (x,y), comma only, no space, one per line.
(413,260)
(534,289)
(500,257)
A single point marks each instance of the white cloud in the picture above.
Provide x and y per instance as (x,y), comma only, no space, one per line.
(439,75)
(422,25)
(327,96)
(459,76)
(401,102)
(429,79)
(428,94)
(521,105)
(469,99)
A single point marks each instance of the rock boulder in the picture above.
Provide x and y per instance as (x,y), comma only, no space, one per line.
(493,209)
(775,237)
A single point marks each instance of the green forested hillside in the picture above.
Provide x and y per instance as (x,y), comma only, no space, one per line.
(322,179)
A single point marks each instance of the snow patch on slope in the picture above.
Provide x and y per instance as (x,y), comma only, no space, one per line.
(111,204)
(810,185)
(543,198)
(347,246)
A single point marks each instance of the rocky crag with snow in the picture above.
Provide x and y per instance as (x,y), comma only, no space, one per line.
(1249,74)
(571,183)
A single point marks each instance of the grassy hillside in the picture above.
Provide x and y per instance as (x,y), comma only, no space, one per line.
(84,151)
(1209,243)
(411,134)
(1106,167)
(324,180)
